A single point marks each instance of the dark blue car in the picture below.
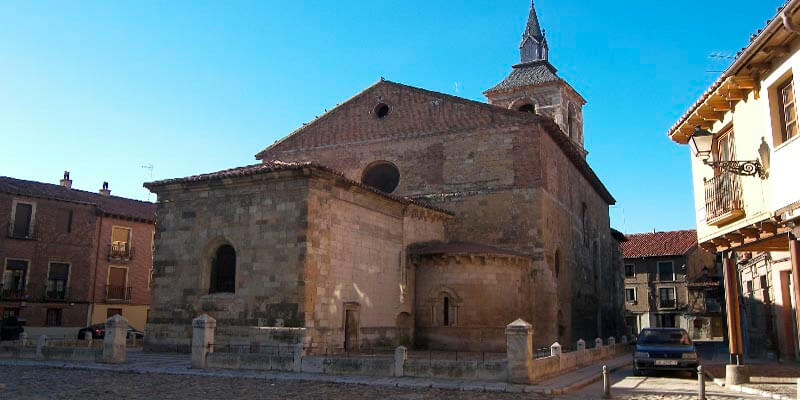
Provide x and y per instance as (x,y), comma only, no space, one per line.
(666,349)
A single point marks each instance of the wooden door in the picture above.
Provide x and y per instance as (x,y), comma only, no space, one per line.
(351,330)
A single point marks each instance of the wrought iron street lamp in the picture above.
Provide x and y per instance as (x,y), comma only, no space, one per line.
(701,143)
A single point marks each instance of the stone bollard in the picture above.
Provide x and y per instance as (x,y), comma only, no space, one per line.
(114,341)
(23,339)
(519,351)
(41,342)
(701,384)
(612,341)
(400,357)
(623,339)
(598,343)
(299,353)
(555,349)
(736,374)
(203,328)
(606,383)
(581,345)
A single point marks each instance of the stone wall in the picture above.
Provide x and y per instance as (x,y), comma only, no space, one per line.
(477,321)
(264,218)
(356,261)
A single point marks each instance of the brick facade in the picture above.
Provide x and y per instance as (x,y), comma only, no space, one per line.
(70,227)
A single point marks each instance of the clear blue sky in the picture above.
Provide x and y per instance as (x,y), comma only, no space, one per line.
(102,88)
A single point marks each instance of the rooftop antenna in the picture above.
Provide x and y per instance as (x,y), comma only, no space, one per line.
(149,166)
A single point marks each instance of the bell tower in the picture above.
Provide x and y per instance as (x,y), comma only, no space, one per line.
(534,85)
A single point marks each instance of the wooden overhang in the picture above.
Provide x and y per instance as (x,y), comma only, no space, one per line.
(743,76)
(768,235)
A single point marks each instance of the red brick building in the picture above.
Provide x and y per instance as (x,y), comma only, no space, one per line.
(71,258)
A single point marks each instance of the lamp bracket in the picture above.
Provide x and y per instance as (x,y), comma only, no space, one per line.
(744,167)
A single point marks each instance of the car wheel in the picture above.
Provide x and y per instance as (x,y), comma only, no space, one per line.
(637,371)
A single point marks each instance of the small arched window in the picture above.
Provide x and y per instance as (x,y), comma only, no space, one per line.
(223,270)
(446,311)
(381,175)
(529,108)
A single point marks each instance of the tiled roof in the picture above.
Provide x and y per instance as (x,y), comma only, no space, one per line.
(658,244)
(728,72)
(532,73)
(274,166)
(110,205)
(435,248)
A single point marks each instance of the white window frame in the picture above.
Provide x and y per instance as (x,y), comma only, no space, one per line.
(658,270)
(635,295)
(675,295)
(13,217)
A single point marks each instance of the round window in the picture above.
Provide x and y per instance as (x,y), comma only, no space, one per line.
(381,110)
(381,175)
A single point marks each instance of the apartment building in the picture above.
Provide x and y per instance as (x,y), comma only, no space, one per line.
(743,136)
(71,258)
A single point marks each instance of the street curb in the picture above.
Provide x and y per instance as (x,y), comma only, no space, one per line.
(744,389)
(585,382)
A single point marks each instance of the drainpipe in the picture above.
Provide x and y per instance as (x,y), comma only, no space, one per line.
(93,278)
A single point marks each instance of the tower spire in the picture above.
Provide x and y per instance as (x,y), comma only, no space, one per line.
(534,43)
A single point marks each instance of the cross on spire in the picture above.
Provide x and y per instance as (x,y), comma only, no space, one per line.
(534,43)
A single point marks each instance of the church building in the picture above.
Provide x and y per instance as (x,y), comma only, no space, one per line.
(402,216)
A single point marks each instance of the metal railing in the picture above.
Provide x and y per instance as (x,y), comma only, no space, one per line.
(118,293)
(55,294)
(12,294)
(723,195)
(120,251)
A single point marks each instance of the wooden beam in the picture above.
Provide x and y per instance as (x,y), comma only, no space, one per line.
(743,82)
(760,68)
(710,115)
(776,51)
(721,242)
(709,247)
(732,94)
(749,232)
(720,105)
(769,227)
(695,120)
(734,237)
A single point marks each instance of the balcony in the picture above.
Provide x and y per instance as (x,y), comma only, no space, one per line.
(12,294)
(120,251)
(118,294)
(54,295)
(723,199)
(666,304)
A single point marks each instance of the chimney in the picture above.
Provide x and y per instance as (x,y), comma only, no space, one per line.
(104,191)
(66,182)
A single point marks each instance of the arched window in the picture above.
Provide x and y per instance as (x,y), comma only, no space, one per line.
(530,108)
(557,263)
(446,311)
(381,175)
(223,270)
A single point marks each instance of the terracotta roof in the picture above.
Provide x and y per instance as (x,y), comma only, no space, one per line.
(511,116)
(435,248)
(731,70)
(110,205)
(274,166)
(658,244)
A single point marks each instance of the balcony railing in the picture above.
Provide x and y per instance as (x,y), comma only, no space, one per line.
(118,294)
(666,303)
(12,294)
(723,198)
(120,251)
(55,295)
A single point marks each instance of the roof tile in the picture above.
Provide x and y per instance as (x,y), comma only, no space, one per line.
(659,244)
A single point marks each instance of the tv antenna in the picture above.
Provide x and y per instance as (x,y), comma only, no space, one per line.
(149,166)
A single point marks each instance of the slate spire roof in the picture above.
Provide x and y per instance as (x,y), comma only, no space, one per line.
(533,28)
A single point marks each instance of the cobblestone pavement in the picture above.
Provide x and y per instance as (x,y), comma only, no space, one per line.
(773,378)
(35,383)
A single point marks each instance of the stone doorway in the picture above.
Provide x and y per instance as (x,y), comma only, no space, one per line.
(351,317)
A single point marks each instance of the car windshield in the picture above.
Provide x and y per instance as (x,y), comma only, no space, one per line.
(677,338)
